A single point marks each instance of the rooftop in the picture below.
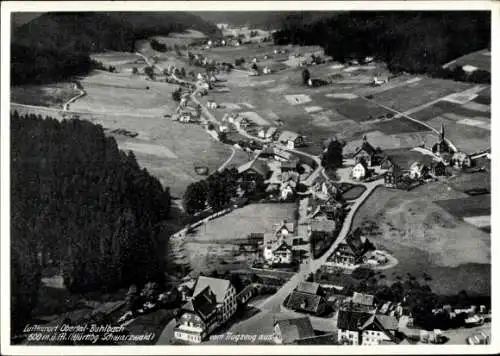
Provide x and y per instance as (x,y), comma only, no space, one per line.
(217,286)
(288,136)
(363,299)
(295,329)
(304,302)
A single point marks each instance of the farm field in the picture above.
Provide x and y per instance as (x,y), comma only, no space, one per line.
(412,95)
(479,205)
(50,95)
(426,238)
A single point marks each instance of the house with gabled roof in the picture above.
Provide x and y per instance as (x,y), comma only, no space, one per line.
(255,168)
(283,228)
(290,139)
(366,152)
(360,170)
(288,331)
(360,328)
(307,297)
(199,317)
(224,292)
(363,302)
(351,253)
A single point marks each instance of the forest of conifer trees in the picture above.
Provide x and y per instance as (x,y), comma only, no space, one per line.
(77,200)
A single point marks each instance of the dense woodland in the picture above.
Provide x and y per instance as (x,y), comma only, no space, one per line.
(56,46)
(84,204)
(414,42)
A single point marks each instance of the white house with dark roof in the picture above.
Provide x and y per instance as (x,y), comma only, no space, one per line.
(290,139)
(199,317)
(360,328)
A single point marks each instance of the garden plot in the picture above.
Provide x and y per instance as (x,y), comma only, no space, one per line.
(297,99)
(348,96)
(312,109)
(477,107)
(279,88)
(361,110)
(399,125)
(476,123)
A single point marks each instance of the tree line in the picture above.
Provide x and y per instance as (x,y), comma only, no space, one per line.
(216,191)
(410,41)
(56,46)
(82,206)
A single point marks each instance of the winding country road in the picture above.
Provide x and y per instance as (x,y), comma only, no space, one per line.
(273,303)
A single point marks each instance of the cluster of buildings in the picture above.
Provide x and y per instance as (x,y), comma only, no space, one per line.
(268,133)
(399,166)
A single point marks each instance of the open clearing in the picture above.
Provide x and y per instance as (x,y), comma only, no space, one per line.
(108,93)
(426,238)
(50,95)
(258,218)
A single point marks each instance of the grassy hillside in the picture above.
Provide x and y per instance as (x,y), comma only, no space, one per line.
(55,46)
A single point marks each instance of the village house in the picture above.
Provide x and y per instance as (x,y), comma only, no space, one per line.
(363,302)
(287,331)
(199,317)
(241,122)
(392,176)
(254,169)
(276,153)
(225,295)
(276,250)
(358,328)
(461,160)
(290,139)
(370,155)
(289,182)
(212,104)
(360,170)
(307,297)
(352,253)
(284,229)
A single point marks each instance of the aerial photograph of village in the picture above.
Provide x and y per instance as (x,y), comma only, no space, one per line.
(250,178)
